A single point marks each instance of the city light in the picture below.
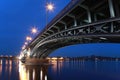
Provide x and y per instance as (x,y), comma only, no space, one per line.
(34,30)
(26,43)
(50,7)
(28,38)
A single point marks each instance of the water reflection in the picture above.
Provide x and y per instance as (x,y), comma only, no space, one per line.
(60,70)
(84,70)
(22,72)
(27,72)
(0,67)
(56,65)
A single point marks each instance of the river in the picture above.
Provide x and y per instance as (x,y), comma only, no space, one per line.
(60,70)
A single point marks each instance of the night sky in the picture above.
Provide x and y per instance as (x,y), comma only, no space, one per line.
(17,17)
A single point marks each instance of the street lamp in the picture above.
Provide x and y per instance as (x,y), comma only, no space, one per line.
(28,38)
(26,43)
(34,30)
(49,7)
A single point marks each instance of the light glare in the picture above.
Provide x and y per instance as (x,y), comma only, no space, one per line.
(50,7)
(26,43)
(28,38)
(34,30)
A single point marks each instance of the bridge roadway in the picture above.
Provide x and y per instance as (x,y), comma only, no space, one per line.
(81,21)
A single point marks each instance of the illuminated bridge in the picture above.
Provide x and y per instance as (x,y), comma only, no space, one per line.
(81,21)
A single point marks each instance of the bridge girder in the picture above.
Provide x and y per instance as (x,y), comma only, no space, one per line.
(45,48)
(89,20)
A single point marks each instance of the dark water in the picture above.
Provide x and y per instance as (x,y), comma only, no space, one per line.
(61,70)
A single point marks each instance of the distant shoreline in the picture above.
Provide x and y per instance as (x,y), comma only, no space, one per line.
(90,58)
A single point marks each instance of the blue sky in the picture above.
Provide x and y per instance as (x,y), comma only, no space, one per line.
(99,49)
(17,17)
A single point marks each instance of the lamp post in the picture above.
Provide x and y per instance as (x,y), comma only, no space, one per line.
(49,7)
(28,38)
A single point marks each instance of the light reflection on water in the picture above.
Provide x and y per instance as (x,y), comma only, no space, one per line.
(60,70)
(27,72)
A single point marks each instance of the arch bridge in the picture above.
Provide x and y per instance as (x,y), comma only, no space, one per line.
(81,21)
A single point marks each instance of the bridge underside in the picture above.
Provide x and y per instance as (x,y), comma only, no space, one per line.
(81,21)
(49,46)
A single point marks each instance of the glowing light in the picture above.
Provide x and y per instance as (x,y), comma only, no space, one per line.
(41,74)
(28,38)
(34,30)
(28,52)
(6,62)
(33,74)
(0,61)
(54,62)
(10,62)
(48,58)
(50,7)
(10,66)
(0,67)
(23,47)
(61,58)
(22,72)
(54,58)
(20,57)
(103,38)
(26,43)
(45,77)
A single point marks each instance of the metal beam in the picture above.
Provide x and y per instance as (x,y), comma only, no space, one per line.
(56,27)
(83,6)
(111,8)
(46,33)
(98,5)
(116,7)
(100,14)
(89,16)
(51,30)
(43,36)
(62,22)
(70,15)
(112,27)
(74,18)
(88,12)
